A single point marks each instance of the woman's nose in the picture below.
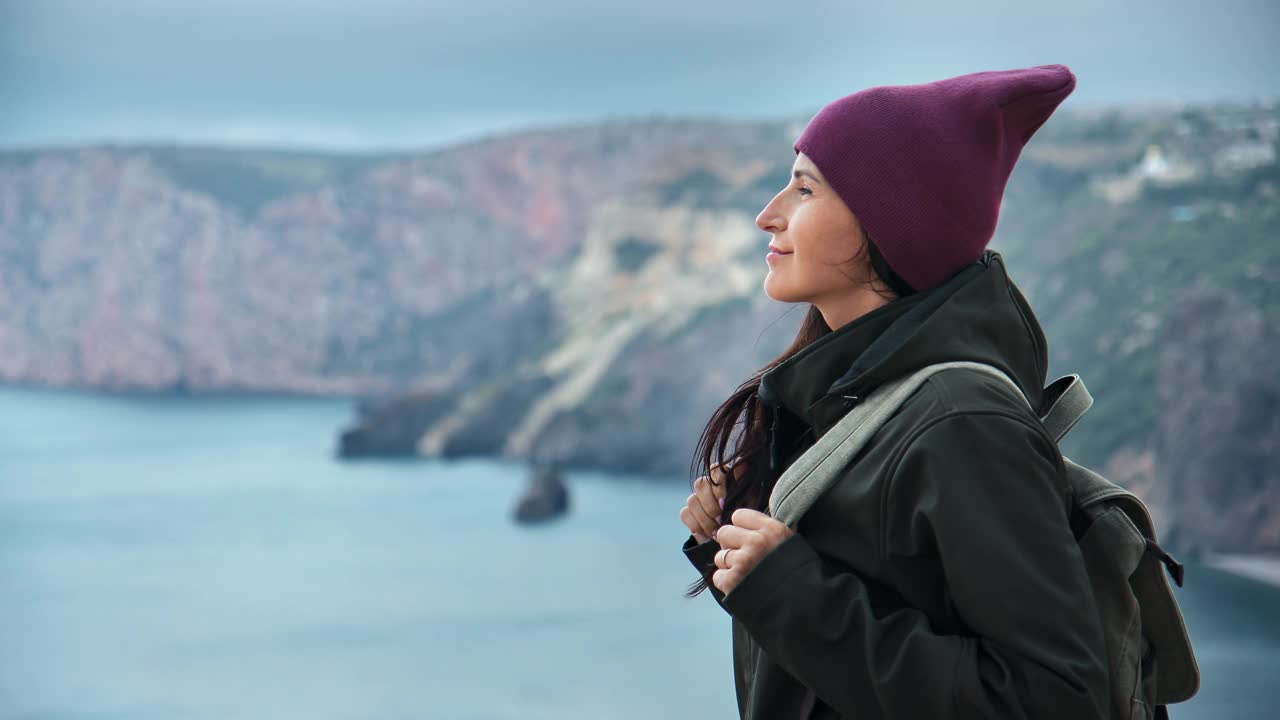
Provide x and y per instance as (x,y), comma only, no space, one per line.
(769,219)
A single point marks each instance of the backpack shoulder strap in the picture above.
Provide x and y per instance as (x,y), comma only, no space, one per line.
(1067,397)
(1068,400)
(820,465)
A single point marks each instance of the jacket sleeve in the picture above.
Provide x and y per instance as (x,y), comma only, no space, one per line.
(703,557)
(983,495)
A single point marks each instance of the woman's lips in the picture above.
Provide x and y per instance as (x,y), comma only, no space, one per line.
(774,255)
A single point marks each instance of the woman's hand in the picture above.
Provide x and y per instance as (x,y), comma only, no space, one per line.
(701,512)
(743,543)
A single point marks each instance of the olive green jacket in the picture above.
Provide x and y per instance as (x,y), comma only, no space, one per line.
(938,577)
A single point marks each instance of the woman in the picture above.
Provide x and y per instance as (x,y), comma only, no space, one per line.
(939,577)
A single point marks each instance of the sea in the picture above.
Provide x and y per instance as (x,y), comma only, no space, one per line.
(174,557)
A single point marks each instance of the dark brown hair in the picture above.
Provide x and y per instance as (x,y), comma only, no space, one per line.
(743,408)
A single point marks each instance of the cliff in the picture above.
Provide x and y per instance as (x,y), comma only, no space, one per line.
(589,294)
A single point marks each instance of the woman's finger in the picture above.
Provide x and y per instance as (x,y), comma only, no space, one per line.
(728,557)
(726,580)
(710,503)
(705,522)
(686,517)
(695,519)
(731,536)
(751,519)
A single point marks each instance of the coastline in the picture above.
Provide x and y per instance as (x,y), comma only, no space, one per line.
(1263,568)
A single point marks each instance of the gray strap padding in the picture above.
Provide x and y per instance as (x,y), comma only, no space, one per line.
(1072,402)
(820,465)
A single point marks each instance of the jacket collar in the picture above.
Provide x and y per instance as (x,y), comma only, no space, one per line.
(803,382)
(978,314)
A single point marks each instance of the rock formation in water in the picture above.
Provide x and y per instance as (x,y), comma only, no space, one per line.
(545,497)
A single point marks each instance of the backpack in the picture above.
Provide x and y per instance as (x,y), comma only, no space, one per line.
(1149,655)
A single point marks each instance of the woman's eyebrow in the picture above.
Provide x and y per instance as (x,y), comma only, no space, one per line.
(806,173)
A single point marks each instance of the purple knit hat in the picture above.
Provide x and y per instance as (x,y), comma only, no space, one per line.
(923,167)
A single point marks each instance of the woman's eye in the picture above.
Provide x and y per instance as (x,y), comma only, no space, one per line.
(804,190)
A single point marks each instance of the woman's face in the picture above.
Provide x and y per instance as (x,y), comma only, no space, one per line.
(825,260)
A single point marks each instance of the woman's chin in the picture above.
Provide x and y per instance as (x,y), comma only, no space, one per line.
(779,291)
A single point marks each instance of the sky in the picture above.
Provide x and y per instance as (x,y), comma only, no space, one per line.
(394,74)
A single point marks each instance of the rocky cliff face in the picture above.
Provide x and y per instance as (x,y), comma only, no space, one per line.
(589,295)
(1218,439)
(163,268)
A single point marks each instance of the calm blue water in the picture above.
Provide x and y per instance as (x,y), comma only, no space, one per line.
(178,558)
